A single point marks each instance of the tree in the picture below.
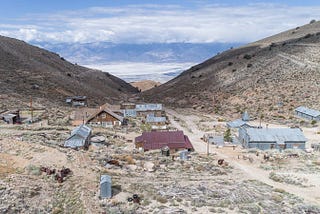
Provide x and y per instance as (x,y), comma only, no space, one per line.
(227,136)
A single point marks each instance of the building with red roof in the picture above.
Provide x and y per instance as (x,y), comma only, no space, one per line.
(153,140)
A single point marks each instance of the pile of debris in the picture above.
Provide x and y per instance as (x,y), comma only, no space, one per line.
(59,175)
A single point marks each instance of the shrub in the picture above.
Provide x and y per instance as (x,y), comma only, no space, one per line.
(313,122)
(247,56)
(312,21)
(227,136)
(308,35)
(162,200)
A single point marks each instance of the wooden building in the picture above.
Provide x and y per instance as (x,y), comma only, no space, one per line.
(106,118)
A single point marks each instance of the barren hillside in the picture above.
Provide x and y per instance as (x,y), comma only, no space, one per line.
(144,85)
(27,70)
(270,77)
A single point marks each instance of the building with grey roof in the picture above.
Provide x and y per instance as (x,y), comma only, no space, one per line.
(80,137)
(149,107)
(155,120)
(243,122)
(238,123)
(272,138)
(307,113)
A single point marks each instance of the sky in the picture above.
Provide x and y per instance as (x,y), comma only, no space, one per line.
(152,21)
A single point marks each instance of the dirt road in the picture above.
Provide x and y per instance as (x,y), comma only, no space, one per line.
(187,123)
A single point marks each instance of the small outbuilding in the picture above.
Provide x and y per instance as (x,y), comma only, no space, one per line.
(216,140)
(306,113)
(105,186)
(151,119)
(80,137)
(11,117)
(77,101)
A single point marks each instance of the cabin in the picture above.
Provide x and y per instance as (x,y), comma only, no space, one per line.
(11,117)
(80,137)
(306,113)
(104,117)
(272,138)
(174,140)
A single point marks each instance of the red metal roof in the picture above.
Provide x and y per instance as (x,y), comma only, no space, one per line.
(159,139)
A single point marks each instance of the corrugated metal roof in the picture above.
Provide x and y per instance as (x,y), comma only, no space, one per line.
(9,116)
(279,135)
(305,110)
(149,107)
(237,123)
(153,119)
(159,139)
(82,130)
(78,137)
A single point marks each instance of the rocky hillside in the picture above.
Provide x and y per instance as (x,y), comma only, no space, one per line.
(27,70)
(269,77)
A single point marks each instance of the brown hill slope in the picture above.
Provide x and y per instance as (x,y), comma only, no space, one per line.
(271,76)
(27,70)
(144,85)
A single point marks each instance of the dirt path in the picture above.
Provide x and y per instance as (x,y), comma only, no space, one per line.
(251,171)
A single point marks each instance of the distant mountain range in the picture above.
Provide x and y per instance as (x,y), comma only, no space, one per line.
(105,52)
(135,62)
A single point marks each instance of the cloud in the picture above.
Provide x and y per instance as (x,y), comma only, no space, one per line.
(161,24)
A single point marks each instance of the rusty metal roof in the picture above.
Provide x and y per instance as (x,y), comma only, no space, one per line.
(159,139)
